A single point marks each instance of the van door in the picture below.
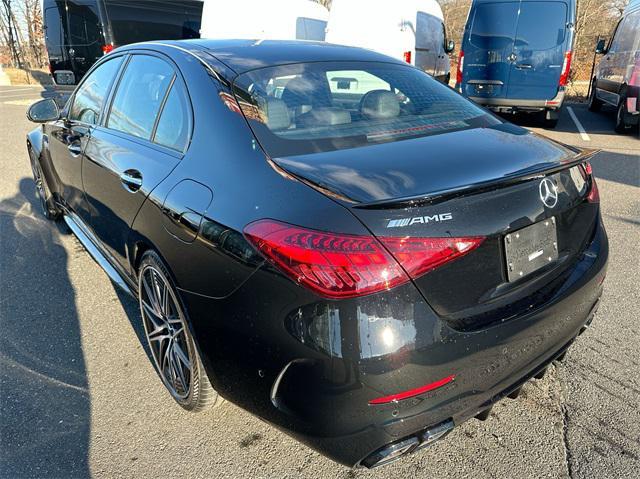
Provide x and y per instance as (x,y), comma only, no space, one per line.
(539,49)
(489,48)
(428,42)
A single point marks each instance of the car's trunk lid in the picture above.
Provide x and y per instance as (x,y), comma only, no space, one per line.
(475,183)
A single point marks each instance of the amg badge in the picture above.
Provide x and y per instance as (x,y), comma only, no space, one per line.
(399,223)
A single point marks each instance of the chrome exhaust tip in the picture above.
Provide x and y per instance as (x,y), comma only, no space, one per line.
(393,452)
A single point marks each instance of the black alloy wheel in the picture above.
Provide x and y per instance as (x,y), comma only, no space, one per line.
(172,346)
(45,199)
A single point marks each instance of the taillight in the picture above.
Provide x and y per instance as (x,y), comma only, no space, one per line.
(407,57)
(108,48)
(420,255)
(566,69)
(594,193)
(345,266)
(460,68)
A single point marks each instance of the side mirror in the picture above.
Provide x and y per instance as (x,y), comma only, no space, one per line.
(43,111)
(450,46)
(601,47)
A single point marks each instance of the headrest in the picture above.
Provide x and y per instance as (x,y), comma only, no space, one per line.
(324,117)
(277,114)
(303,90)
(379,104)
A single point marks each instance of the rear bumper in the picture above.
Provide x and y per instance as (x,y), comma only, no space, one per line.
(312,368)
(513,105)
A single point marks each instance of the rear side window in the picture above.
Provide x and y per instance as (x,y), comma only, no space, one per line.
(175,120)
(542,25)
(140,95)
(90,96)
(494,25)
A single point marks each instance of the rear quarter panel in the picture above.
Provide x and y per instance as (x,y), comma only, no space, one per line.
(225,157)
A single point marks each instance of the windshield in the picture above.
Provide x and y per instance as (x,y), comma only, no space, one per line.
(315,107)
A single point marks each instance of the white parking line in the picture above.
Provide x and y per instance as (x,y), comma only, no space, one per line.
(24,88)
(26,94)
(583,132)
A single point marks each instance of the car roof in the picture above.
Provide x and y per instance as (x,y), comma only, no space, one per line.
(244,55)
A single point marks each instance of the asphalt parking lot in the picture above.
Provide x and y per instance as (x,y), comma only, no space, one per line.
(79,397)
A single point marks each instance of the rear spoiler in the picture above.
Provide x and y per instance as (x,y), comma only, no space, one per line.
(539,171)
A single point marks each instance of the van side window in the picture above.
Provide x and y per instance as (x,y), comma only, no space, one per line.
(627,37)
(175,120)
(140,95)
(88,100)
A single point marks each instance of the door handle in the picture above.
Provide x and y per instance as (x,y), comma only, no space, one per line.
(524,66)
(132,180)
(75,149)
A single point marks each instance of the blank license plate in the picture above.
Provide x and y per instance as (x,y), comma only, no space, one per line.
(530,248)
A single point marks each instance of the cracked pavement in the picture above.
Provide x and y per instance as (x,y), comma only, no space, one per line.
(79,397)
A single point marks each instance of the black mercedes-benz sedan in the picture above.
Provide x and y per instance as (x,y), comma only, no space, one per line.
(323,235)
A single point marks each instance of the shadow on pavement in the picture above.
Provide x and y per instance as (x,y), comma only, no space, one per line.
(44,396)
(617,167)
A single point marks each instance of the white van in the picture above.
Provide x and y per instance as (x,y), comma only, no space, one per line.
(411,30)
(261,19)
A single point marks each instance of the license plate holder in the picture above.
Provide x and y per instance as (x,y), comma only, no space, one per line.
(531,248)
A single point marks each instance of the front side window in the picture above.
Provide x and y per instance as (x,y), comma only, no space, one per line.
(90,96)
(315,107)
(627,35)
(140,95)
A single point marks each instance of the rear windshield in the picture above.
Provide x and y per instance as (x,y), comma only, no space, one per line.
(494,25)
(72,25)
(542,25)
(316,107)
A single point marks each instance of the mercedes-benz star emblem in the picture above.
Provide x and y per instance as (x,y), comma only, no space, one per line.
(548,193)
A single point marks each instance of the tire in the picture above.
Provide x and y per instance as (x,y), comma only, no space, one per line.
(47,204)
(172,346)
(594,103)
(549,119)
(621,126)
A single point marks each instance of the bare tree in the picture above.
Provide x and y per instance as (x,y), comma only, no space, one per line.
(12,32)
(326,3)
(32,14)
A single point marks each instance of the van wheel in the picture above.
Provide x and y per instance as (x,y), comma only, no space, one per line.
(594,103)
(550,118)
(621,126)
(172,346)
